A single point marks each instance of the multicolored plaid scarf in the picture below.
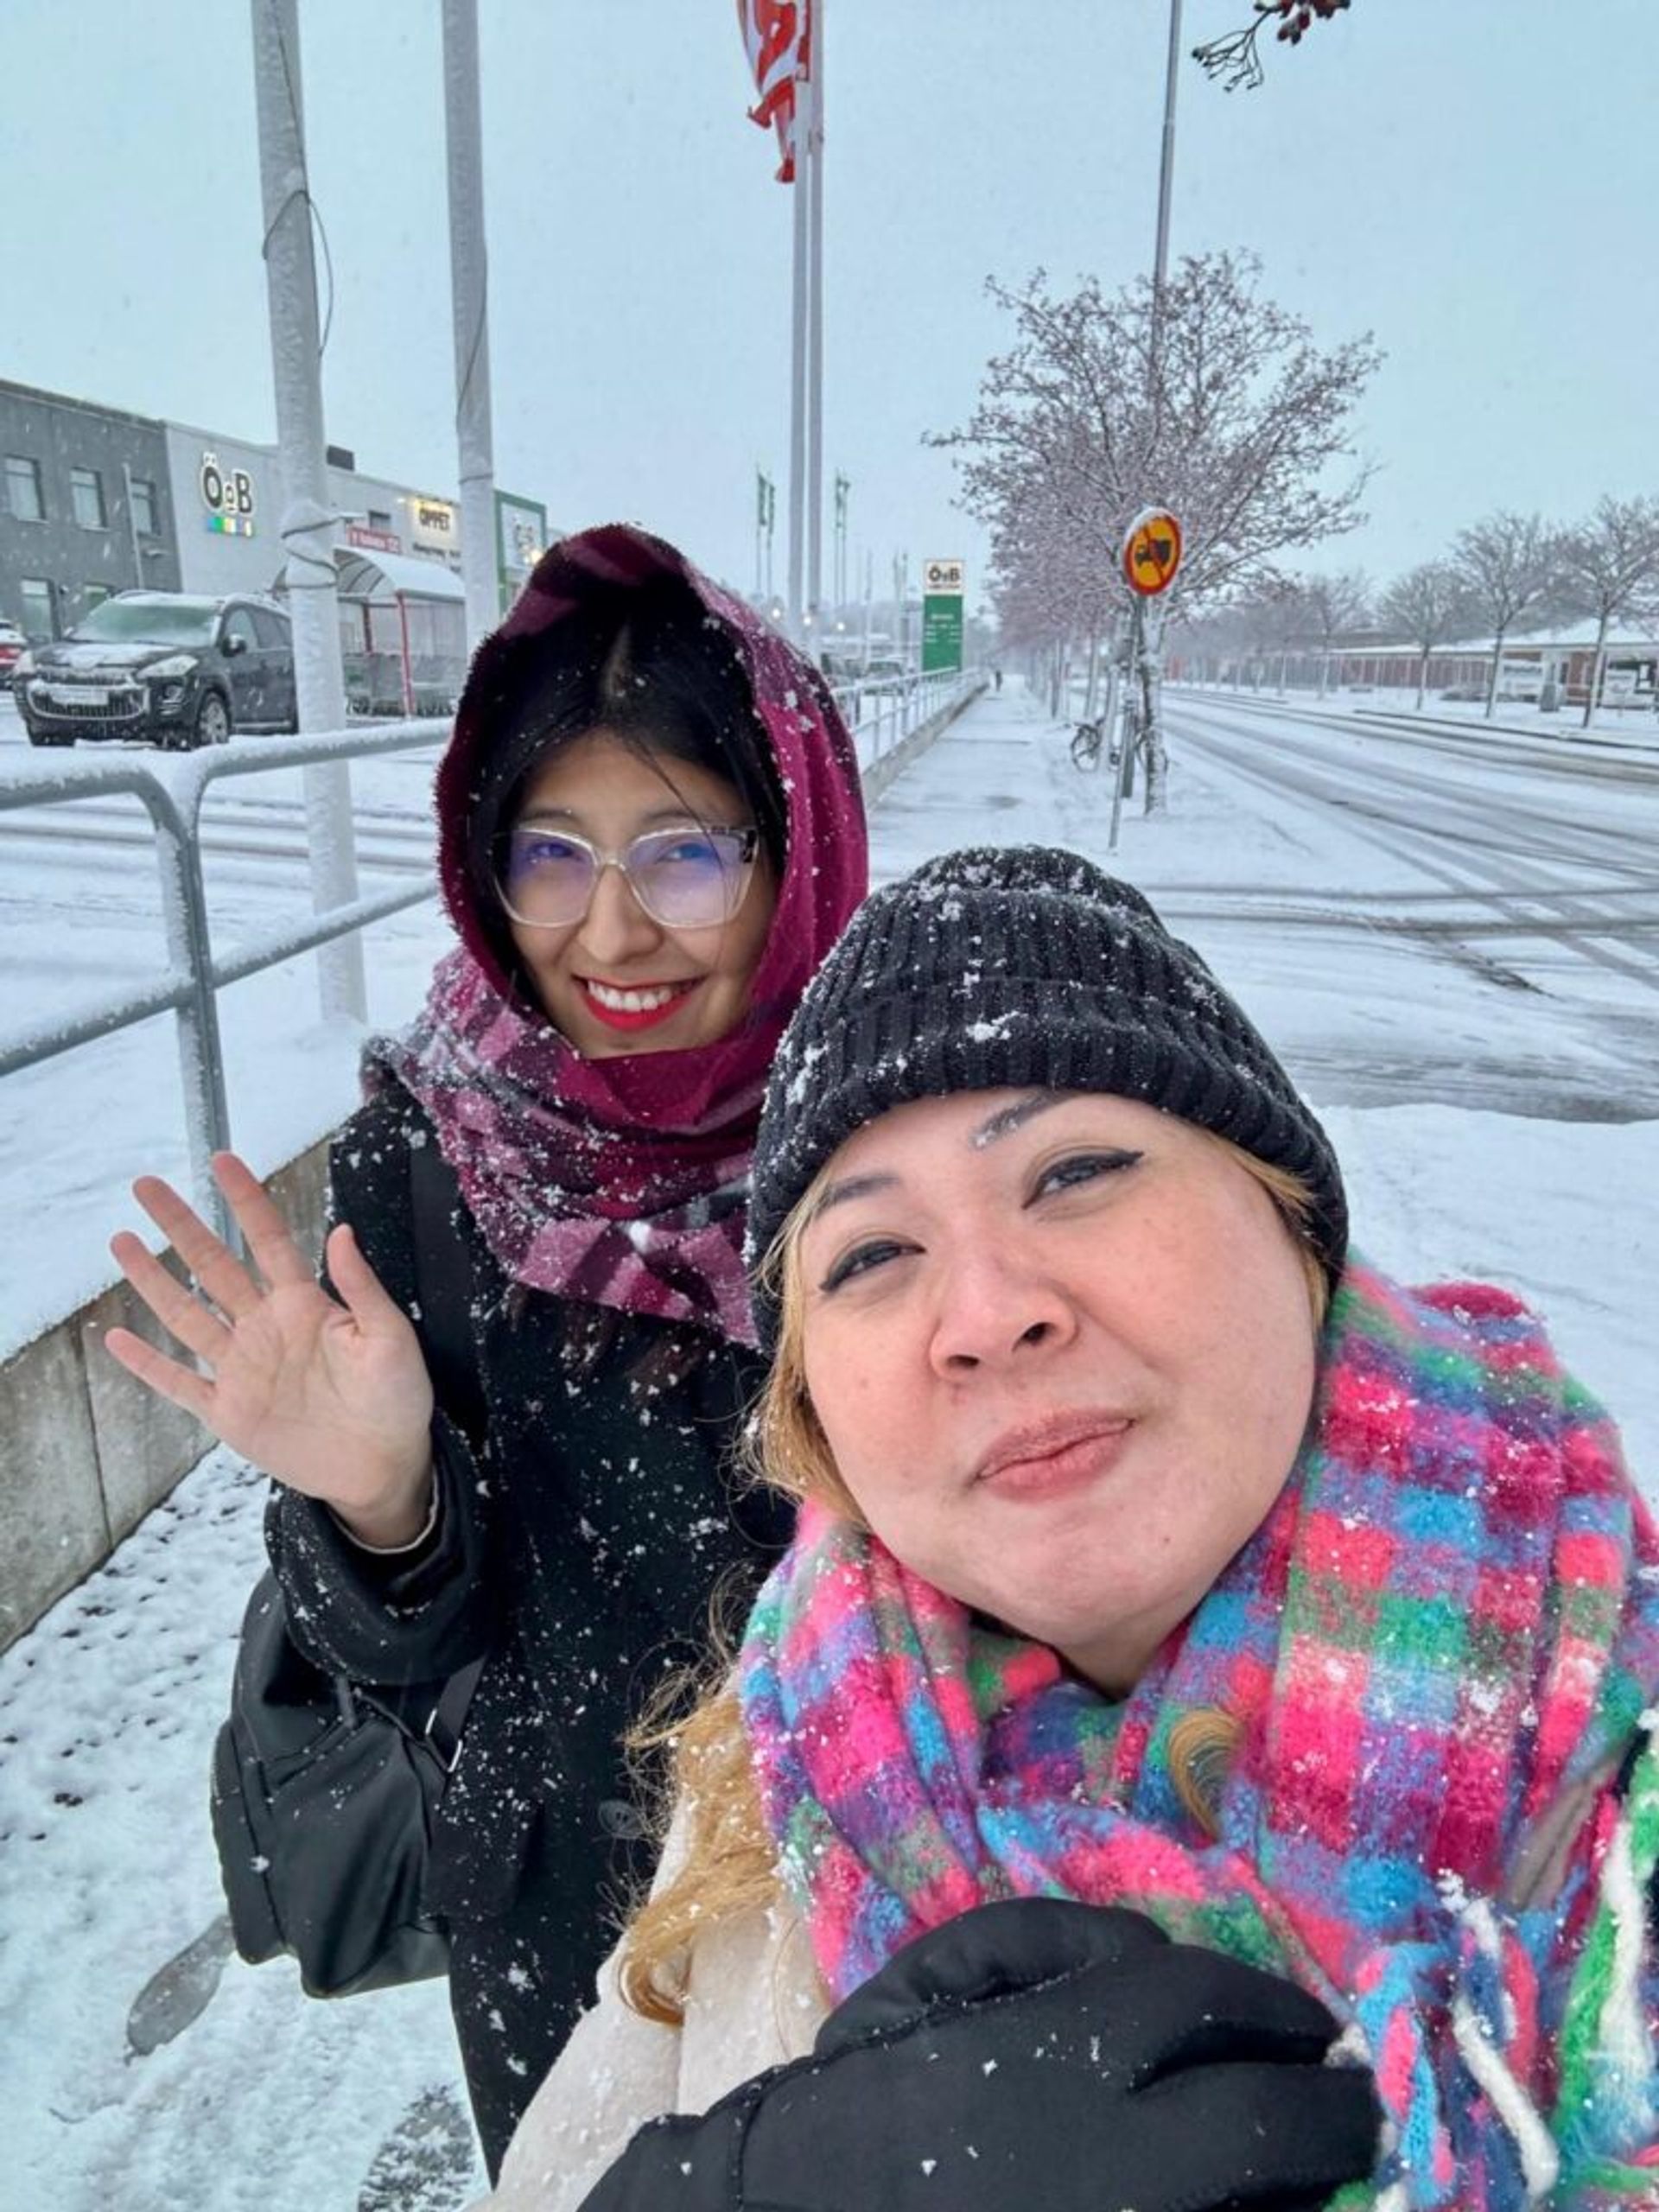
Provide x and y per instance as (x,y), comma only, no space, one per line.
(1442,1815)
(612,1204)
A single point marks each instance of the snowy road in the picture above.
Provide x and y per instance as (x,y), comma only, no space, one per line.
(1413,966)
(1530,865)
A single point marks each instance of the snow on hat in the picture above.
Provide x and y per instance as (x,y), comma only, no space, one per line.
(1016,966)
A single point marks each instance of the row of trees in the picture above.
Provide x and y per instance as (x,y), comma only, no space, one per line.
(1210,399)
(1509,574)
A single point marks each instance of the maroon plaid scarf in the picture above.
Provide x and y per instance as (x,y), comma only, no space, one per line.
(616,1201)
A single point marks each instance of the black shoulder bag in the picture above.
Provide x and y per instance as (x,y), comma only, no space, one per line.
(323,1789)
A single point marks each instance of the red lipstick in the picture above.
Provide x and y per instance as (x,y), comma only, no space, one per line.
(626,1018)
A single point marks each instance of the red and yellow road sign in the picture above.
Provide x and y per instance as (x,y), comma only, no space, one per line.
(1152,551)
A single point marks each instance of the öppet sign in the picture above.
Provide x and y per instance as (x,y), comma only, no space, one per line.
(1152,551)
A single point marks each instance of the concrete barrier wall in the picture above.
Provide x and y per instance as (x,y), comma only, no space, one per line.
(85,1451)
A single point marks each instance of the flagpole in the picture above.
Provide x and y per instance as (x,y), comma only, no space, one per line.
(797,377)
(814,138)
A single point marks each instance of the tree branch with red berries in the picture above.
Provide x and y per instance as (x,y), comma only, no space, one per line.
(1234,58)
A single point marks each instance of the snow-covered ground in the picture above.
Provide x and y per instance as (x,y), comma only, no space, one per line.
(107,1709)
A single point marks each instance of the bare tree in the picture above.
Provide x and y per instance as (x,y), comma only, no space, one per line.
(1607,567)
(1070,438)
(1336,606)
(1278,618)
(1509,562)
(1428,605)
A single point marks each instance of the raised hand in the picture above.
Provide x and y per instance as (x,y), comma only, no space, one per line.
(331,1397)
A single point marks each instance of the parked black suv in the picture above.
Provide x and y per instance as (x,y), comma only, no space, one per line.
(162,665)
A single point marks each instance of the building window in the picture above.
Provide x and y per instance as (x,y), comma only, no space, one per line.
(379,518)
(86,494)
(143,505)
(23,488)
(38,621)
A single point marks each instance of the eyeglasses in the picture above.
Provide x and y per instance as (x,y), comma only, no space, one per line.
(685,878)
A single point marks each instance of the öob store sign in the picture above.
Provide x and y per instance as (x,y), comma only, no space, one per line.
(942,591)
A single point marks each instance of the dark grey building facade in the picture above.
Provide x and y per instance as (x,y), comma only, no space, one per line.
(86,508)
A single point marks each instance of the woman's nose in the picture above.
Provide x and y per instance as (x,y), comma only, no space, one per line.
(616,927)
(996,1307)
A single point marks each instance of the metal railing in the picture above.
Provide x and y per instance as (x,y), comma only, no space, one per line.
(188,986)
(886,712)
(881,716)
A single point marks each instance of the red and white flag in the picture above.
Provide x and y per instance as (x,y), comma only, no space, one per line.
(777,34)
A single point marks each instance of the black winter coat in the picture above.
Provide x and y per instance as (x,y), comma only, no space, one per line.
(578,1547)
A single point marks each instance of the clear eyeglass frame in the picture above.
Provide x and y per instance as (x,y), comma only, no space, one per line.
(737,876)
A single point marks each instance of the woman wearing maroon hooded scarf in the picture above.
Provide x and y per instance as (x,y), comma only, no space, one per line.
(650,832)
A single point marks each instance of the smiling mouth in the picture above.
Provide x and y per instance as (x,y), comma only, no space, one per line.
(621,1008)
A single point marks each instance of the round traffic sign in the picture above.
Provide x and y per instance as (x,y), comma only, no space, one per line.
(1152,551)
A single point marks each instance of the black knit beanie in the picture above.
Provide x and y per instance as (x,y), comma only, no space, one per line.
(1010,968)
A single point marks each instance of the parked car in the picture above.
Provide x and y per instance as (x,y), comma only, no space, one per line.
(12,642)
(884,676)
(162,666)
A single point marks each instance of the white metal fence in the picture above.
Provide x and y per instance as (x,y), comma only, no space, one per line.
(883,716)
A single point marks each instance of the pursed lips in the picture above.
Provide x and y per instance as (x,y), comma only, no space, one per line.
(1035,1442)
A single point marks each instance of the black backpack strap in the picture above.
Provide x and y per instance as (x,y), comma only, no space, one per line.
(443,1284)
(448,1716)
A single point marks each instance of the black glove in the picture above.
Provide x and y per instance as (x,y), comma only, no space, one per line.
(1032,2054)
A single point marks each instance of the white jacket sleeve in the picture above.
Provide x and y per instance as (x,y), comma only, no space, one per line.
(753,2000)
(616,2072)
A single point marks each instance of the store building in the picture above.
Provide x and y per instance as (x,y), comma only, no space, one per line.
(87,508)
(96,500)
(227,495)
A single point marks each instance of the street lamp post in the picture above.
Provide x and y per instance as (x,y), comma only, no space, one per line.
(1165,173)
(1147,660)
(843,488)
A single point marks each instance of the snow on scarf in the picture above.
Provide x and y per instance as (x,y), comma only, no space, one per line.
(569,1197)
(1441,1645)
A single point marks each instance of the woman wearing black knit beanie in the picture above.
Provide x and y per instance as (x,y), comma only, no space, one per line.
(1196,1752)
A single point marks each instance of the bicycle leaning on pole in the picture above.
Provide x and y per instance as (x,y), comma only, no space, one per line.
(1087,743)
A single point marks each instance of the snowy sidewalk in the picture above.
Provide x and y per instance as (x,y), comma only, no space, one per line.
(270,2102)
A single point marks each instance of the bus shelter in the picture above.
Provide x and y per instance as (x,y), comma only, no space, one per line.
(403,626)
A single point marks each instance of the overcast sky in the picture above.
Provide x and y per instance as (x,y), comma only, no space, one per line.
(1473,180)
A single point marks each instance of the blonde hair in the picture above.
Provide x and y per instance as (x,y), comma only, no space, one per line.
(730,1864)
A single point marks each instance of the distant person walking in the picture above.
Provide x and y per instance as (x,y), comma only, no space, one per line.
(650,832)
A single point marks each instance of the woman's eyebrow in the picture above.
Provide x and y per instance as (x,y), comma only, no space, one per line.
(1009,1118)
(1002,1123)
(854,1186)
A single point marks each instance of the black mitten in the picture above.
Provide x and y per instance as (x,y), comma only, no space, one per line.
(1034,2053)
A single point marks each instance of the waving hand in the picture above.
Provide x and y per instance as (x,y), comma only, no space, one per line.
(330,1395)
